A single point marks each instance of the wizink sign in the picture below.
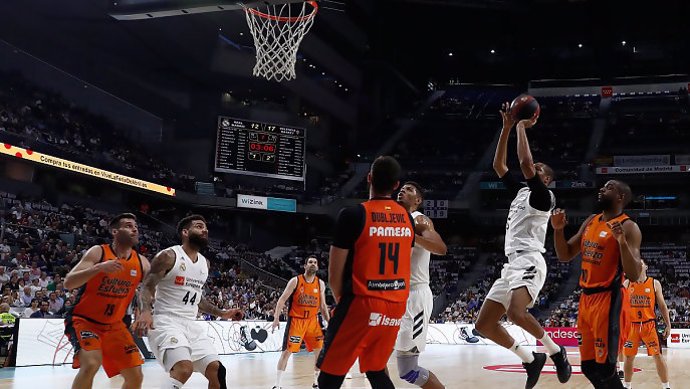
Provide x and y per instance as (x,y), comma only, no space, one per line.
(267,203)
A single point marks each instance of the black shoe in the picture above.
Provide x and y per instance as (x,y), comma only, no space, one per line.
(563,368)
(314,386)
(534,369)
(621,374)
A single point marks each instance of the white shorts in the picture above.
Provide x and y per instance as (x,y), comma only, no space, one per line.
(415,322)
(526,269)
(173,332)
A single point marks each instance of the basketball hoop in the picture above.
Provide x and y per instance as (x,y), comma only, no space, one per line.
(278,31)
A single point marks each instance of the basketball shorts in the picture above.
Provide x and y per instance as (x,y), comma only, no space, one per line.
(415,322)
(645,332)
(364,328)
(598,325)
(524,269)
(115,342)
(171,332)
(302,330)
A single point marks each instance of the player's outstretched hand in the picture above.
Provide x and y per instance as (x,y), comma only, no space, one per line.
(667,332)
(617,230)
(558,219)
(275,325)
(233,314)
(508,121)
(142,324)
(528,123)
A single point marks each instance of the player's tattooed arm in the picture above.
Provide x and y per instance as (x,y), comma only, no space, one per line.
(159,267)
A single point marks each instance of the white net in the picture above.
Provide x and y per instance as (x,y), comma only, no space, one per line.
(278,31)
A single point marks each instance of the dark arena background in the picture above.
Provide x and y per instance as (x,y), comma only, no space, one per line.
(152,107)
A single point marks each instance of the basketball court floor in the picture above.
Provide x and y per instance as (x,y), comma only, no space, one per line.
(456,366)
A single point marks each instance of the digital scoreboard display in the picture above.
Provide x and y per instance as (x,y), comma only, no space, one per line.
(260,149)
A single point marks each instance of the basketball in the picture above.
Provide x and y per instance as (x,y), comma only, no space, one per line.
(524,107)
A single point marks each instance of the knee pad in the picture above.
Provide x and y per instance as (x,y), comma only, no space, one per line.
(330,381)
(379,380)
(221,376)
(590,370)
(409,369)
(608,374)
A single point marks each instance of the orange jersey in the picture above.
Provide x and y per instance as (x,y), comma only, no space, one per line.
(381,258)
(642,300)
(305,300)
(601,259)
(105,297)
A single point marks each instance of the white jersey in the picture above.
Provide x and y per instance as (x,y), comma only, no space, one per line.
(419,262)
(526,226)
(179,292)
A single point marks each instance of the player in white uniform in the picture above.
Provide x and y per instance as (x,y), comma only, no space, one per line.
(177,277)
(415,323)
(523,276)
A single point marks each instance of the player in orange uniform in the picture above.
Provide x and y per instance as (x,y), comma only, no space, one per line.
(645,294)
(610,245)
(369,274)
(107,277)
(305,296)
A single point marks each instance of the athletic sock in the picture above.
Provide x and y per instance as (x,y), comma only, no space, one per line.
(171,383)
(627,385)
(551,347)
(522,352)
(278,377)
(316,377)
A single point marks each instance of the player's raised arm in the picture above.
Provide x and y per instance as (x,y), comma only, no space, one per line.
(523,150)
(662,307)
(427,237)
(500,157)
(324,307)
(629,239)
(566,250)
(89,266)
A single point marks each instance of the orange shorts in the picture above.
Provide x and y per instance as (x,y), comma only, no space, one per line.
(298,330)
(114,341)
(598,324)
(364,328)
(645,332)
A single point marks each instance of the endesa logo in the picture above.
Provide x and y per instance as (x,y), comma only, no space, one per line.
(562,336)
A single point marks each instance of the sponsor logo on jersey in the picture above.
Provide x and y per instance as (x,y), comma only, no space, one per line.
(316,290)
(390,231)
(179,280)
(131,348)
(173,340)
(647,290)
(87,335)
(133,272)
(378,319)
(295,339)
(183,267)
(387,284)
(603,234)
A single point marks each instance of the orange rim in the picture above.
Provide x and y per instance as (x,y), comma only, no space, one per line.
(283,18)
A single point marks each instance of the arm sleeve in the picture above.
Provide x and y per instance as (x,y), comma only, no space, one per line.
(511,183)
(348,227)
(540,197)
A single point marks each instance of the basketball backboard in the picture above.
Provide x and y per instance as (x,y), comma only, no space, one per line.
(137,10)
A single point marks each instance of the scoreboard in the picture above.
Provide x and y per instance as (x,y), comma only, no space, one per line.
(260,149)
